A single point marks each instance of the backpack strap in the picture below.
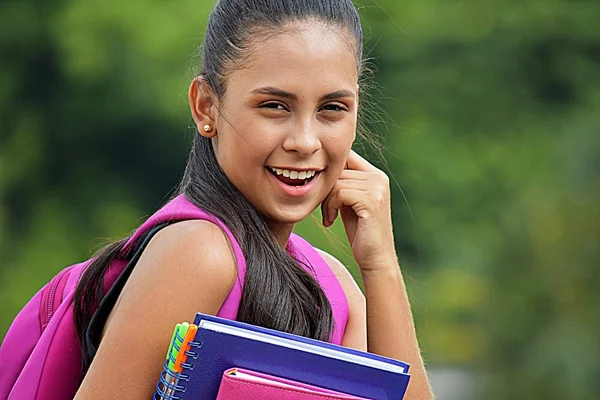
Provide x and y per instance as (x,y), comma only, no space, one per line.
(94,331)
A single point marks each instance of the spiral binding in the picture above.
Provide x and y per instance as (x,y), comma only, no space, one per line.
(171,384)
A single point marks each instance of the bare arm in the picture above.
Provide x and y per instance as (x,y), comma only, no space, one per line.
(361,196)
(189,261)
(382,323)
(390,327)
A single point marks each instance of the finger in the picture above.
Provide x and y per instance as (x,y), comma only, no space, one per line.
(357,184)
(329,214)
(356,162)
(331,208)
(325,207)
(354,174)
(343,197)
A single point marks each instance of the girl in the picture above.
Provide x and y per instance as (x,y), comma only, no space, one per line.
(275,109)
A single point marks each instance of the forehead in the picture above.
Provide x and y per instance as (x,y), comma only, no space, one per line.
(301,57)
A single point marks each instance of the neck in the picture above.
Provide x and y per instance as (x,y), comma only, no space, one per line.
(281,232)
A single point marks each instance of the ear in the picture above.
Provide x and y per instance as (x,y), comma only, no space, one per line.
(202,106)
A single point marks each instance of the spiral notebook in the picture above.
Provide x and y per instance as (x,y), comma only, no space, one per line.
(199,358)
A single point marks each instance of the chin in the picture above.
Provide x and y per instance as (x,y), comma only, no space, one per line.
(290,216)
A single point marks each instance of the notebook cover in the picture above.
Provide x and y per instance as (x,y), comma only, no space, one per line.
(241,388)
(220,351)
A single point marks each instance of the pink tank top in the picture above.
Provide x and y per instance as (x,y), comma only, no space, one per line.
(182,209)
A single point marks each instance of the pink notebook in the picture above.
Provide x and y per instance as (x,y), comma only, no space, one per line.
(242,384)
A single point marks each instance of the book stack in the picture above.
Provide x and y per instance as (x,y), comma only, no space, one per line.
(216,358)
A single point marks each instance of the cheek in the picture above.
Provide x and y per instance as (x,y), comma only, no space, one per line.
(338,147)
(337,154)
(236,138)
(241,154)
(237,156)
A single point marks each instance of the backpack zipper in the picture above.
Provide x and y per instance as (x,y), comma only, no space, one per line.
(49,298)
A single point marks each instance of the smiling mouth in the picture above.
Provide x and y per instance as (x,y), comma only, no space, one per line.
(293,178)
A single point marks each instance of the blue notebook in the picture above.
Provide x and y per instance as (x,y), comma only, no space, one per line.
(220,344)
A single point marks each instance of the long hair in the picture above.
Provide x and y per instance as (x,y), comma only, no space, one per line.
(278,293)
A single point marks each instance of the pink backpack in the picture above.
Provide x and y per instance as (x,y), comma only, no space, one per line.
(40,357)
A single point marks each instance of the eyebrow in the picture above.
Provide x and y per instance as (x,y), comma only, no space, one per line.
(282,93)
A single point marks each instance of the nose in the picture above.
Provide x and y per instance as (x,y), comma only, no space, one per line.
(303,139)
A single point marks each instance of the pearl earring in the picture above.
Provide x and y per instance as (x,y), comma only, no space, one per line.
(207,128)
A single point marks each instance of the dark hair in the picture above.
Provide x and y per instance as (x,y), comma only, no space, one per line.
(278,293)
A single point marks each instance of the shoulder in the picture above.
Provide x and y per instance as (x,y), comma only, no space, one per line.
(191,262)
(193,237)
(345,278)
(187,267)
(192,249)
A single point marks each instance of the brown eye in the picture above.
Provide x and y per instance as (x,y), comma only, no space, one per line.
(336,107)
(274,106)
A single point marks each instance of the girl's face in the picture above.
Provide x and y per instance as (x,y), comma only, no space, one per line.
(289,113)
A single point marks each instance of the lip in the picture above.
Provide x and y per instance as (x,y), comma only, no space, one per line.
(297,169)
(295,191)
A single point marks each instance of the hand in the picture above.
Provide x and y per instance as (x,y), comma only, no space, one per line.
(362,196)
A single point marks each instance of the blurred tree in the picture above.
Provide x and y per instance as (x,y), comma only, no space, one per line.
(496,141)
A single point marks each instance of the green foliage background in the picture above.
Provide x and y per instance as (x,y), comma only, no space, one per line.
(492,127)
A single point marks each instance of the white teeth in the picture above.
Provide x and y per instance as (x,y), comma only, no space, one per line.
(301,175)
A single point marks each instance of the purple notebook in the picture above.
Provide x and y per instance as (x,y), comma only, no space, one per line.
(221,344)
